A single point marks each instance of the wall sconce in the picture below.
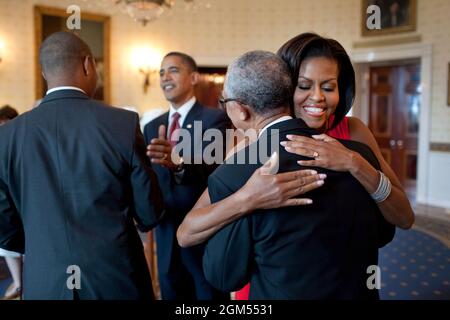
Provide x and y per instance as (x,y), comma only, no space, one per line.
(146,60)
(147,72)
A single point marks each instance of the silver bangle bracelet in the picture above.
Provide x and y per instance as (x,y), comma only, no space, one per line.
(384,189)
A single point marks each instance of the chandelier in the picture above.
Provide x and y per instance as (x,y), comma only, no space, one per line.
(145,11)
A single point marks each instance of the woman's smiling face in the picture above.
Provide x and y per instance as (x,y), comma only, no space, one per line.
(316,95)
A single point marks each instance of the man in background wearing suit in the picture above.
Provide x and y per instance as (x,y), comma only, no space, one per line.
(74,180)
(319,251)
(182,182)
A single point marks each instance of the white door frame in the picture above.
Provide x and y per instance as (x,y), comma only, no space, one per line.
(364,57)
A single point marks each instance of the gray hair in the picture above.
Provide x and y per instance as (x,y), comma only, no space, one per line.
(261,80)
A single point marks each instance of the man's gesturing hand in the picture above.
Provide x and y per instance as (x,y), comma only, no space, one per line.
(160,150)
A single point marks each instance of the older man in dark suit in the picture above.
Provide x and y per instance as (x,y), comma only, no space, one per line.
(74,181)
(320,251)
(182,180)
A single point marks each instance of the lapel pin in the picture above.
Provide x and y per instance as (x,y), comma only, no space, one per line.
(189,126)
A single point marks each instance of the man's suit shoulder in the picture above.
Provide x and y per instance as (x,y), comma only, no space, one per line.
(18,121)
(233,173)
(112,111)
(94,107)
(160,119)
(207,115)
(213,112)
(151,128)
(213,115)
(10,129)
(210,117)
(121,124)
(119,120)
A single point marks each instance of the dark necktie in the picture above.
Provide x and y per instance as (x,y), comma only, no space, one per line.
(173,133)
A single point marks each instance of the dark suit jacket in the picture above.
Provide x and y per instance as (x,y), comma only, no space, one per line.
(180,196)
(74,173)
(319,251)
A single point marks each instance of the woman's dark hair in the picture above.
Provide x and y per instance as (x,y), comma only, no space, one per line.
(309,45)
(8,113)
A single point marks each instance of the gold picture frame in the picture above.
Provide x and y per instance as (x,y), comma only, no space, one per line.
(397,16)
(103,63)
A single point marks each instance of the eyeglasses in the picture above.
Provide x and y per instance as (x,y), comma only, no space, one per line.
(223,102)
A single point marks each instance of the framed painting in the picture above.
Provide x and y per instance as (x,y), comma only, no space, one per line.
(95,31)
(385,17)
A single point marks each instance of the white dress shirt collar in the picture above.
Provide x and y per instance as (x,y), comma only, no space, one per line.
(64,88)
(278,120)
(183,111)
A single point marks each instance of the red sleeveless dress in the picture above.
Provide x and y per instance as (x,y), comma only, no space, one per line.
(341,131)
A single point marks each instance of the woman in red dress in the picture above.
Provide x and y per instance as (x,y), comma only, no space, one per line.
(323,95)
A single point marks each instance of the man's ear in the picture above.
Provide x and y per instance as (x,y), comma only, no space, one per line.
(244,112)
(86,62)
(195,77)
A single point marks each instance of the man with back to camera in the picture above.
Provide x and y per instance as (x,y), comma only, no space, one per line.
(180,270)
(74,180)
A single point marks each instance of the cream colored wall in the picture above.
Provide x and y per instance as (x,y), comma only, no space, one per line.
(434,26)
(214,36)
(16,68)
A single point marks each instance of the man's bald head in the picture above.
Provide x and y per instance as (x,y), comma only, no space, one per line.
(62,52)
(67,60)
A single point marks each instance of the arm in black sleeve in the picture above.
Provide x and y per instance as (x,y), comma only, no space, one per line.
(386,230)
(228,254)
(147,196)
(11,229)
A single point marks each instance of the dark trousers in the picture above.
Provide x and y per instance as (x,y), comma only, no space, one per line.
(184,278)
